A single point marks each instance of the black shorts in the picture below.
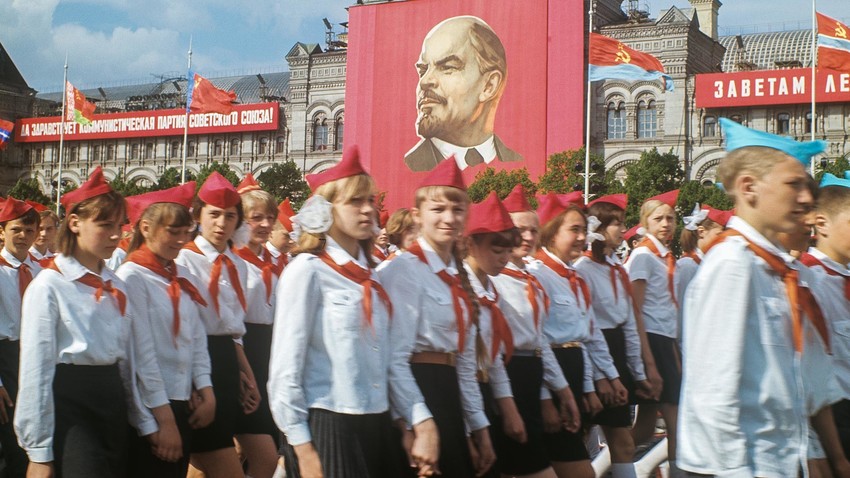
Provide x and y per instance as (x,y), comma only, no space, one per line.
(225,380)
(668,360)
(564,445)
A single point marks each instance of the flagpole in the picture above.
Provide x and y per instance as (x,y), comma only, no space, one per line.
(186,124)
(62,133)
(814,73)
(587,117)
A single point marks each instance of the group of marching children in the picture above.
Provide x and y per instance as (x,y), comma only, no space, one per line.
(448,338)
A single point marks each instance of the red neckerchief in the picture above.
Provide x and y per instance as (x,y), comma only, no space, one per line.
(811,261)
(799,297)
(99,285)
(215,273)
(693,255)
(355,273)
(266,266)
(575,280)
(147,259)
(458,294)
(379,253)
(671,266)
(532,287)
(24,274)
(282,261)
(501,330)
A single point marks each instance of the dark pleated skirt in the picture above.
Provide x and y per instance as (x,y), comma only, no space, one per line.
(618,416)
(841,415)
(258,343)
(564,445)
(225,380)
(439,386)
(15,457)
(514,458)
(669,363)
(352,446)
(90,435)
(144,464)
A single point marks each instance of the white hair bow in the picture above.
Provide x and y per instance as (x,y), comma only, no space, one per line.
(314,217)
(593,224)
(696,218)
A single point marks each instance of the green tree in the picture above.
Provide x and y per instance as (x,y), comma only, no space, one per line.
(222,169)
(836,167)
(653,174)
(285,180)
(127,188)
(500,181)
(29,189)
(171,178)
(565,173)
(693,192)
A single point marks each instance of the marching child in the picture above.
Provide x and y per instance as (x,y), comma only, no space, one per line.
(701,229)
(166,319)
(434,334)
(753,333)
(280,241)
(217,209)
(331,349)
(45,242)
(19,225)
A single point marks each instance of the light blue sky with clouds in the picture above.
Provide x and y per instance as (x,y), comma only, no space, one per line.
(112,42)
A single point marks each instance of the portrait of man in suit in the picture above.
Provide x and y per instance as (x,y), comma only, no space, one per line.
(462,75)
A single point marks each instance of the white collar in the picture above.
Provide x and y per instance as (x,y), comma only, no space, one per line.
(274,250)
(662,249)
(758,239)
(557,259)
(208,249)
(72,270)
(487,149)
(13,261)
(614,259)
(828,262)
(341,256)
(480,289)
(434,261)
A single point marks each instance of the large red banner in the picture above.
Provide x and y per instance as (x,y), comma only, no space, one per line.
(431,78)
(770,87)
(141,124)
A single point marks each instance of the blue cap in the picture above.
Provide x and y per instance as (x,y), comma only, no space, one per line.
(846,174)
(832,180)
(738,136)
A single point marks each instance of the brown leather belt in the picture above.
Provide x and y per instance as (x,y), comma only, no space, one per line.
(566,345)
(434,358)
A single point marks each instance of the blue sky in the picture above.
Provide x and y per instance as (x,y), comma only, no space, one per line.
(128,41)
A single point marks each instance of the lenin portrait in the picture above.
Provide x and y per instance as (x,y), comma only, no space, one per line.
(462,75)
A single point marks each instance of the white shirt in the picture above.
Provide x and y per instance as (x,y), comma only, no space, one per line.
(571,319)
(660,315)
(424,320)
(65,324)
(324,353)
(520,316)
(182,361)
(230,318)
(613,307)
(118,256)
(260,310)
(10,297)
(487,149)
(498,379)
(836,309)
(39,256)
(745,390)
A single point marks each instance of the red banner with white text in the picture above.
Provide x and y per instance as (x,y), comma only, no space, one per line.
(430,78)
(142,124)
(770,87)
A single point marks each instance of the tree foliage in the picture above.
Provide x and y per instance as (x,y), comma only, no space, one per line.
(653,174)
(285,180)
(500,181)
(28,189)
(125,188)
(836,167)
(222,168)
(171,178)
(564,173)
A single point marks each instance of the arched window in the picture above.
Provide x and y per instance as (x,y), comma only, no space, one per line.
(134,151)
(263,146)
(339,128)
(709,127)
(616,121)
(218,147)
(783,123)
(647,121)
(191,150)
(809,122)
(234,147)
(737,118)
(75,154)
(175,149)
(110,152)
(320,133)
(96,155)
(280,147)
(149,151)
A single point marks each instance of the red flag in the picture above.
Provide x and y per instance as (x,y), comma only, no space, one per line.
(833,44)
(6,128)
(609,58)
(206,98)
(77,108)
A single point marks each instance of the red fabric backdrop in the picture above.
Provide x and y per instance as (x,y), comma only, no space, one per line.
(540,113)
